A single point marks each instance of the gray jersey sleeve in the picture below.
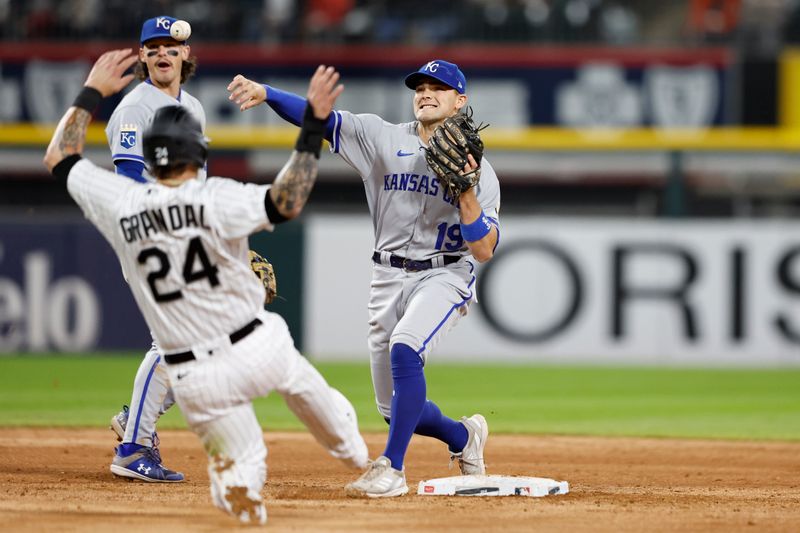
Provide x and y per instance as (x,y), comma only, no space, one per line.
(355,139)
(124,132)
(489,191)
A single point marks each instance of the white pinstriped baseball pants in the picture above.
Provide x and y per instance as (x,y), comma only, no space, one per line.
(215,394)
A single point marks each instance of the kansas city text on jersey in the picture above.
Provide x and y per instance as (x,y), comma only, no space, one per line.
(140,225)
(420,183)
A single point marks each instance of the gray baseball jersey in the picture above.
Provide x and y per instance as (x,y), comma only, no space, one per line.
(133,114)
(412,214)
(413,217)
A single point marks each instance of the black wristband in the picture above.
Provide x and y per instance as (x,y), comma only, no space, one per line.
(61,170)
(89,98)
(311,133)
(273,214)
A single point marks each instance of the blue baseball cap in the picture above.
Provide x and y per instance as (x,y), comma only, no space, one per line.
(157,27)
(439,69)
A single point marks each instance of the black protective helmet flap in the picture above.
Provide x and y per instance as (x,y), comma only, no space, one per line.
(173,138)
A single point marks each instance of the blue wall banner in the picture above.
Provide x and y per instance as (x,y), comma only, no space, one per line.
(517,86)
(61,289)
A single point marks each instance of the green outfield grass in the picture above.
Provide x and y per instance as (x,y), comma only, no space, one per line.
(660,402)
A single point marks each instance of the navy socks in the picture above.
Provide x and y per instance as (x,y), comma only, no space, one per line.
(411,413)
(407,401)
(434,424)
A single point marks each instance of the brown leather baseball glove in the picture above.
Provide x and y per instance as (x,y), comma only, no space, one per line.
(448,149)
(264,271)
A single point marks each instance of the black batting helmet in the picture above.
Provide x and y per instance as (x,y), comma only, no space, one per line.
(174,138)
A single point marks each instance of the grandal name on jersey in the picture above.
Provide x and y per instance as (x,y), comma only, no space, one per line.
(140,225)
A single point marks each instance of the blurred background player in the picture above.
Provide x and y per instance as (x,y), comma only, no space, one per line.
(423,274)
(196,272)
(164,66)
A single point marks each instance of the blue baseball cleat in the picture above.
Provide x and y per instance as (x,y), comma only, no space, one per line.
(143,464)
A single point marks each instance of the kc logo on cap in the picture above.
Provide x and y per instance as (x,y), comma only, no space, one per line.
(156,28)
(441,70)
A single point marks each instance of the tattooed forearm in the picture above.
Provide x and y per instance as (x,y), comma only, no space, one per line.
(69,136)
(294,183)
(73,134)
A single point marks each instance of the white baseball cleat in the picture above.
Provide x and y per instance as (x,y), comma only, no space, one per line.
(379,481)
(470,460)
(119,422)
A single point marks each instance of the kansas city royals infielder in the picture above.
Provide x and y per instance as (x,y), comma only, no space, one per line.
(423,274)
(164,65)
(182,244)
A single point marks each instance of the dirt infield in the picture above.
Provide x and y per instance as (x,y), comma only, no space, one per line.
(58,480)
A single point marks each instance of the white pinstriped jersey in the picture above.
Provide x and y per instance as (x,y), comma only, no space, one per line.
(182,249)
(134,113)
(412,215)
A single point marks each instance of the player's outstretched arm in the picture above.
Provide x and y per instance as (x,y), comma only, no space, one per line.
(290,191)
(289,106)
(246,93)
(106,78)
(249,94)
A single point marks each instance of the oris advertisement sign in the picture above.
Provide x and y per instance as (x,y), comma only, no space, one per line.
(624,291)
(61,289)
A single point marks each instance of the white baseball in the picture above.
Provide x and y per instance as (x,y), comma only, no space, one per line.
(180,30)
